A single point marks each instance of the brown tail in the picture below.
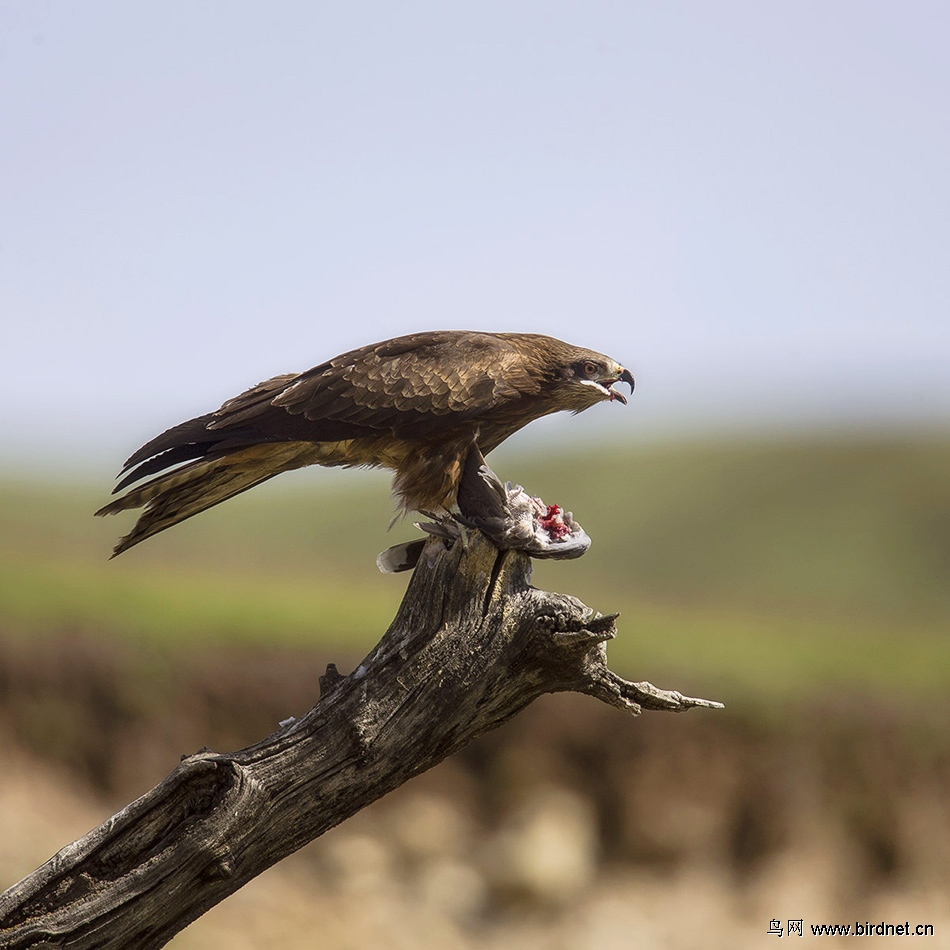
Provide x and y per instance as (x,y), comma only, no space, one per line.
(201,484)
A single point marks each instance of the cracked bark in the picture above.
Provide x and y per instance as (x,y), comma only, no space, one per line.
(472,644)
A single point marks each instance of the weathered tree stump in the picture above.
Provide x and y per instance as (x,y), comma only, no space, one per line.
(472,644)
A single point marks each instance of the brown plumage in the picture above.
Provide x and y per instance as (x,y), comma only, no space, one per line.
(414,404)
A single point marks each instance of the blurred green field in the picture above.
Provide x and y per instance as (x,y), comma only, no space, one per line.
(742,569)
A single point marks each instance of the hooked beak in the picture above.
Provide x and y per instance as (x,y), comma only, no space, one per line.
(625,377)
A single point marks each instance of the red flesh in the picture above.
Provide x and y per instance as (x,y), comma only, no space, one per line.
(552,522)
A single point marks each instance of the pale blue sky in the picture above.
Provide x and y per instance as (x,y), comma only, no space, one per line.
(747,203)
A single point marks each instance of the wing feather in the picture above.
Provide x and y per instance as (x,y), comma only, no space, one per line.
(399,385)
(422,386)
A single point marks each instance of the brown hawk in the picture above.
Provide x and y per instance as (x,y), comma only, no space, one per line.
(415,404)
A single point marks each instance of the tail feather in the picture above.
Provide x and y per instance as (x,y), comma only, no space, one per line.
(178,495)
(174,496)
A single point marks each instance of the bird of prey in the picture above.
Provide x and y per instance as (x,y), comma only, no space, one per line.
(415,404)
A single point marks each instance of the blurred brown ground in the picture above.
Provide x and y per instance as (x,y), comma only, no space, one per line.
(571,826)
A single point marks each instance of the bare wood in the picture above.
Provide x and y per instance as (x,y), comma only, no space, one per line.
(472,644)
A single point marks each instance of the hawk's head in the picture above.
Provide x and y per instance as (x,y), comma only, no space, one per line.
(584,377)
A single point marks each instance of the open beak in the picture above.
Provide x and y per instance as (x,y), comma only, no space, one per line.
(625,377)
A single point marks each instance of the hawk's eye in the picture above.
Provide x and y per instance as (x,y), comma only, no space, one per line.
(590,369)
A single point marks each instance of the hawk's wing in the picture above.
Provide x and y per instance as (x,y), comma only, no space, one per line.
(414,387)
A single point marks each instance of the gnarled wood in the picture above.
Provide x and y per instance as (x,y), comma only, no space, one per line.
(472,644)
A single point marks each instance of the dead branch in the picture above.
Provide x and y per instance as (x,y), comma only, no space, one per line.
(472,644)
